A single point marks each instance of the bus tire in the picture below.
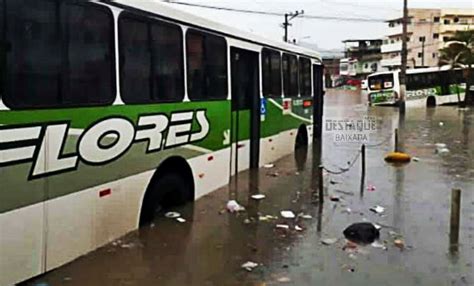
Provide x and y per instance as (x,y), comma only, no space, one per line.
(431,101)
(165,191)
(301,137)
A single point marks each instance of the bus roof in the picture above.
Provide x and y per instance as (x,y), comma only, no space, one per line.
(166,10)
(415,71)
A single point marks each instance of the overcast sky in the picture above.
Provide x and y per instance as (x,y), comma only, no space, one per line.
(324,33)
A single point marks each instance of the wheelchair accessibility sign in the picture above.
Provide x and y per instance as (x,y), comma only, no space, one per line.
(263,108)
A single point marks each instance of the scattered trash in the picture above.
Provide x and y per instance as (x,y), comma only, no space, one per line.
(440,145)
(127,245)
(378,227)
(416,159)
(348,268)
(371,188)
(329,241)
(267,218)
(377,209)
(268,166)
(393,234)
(378,244)
(172,214)
(348,193)
(334,199)
(399,243)
(152,225)
(258,196)
(441,123)
(180,219)
(283,280)
(298,228)
(282,226)
(362,232)
(347,211)
(287,214)
(349,245)
(247,221)
(249,265)
(233,206)
(67,279)
(442,150)
(273,174)
(305,216)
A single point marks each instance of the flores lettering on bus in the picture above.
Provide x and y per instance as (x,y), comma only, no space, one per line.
(45,143)
(420,93)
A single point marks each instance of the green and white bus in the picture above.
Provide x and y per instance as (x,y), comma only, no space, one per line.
(111,110)
(425,87)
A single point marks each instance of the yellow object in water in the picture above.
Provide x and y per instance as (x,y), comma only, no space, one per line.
(397,157)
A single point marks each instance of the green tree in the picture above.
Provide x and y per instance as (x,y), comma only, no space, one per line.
(460,54)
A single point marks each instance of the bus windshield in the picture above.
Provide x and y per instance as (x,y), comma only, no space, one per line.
(383,81)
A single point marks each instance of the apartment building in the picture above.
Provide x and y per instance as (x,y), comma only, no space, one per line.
(428,31)
(361,57)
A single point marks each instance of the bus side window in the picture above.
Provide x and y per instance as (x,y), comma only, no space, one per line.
(61,54)
(151,55)
(305,76)
(207,66)
(290,75)
(271,73)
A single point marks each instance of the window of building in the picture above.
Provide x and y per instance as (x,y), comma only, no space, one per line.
(435,36)
(422,39)
(434,55)
(207,66)
(446,39)
(61,55)
(436,19)
(271,73)
(305,76)
(447,21)
(290,75)
(420,54)
(456,20)
(151,60)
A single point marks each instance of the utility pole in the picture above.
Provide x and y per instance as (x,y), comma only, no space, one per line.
(288,18)
(403,87)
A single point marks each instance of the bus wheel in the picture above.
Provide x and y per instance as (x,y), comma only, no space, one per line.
(165,191)
(301,138)
(431,101)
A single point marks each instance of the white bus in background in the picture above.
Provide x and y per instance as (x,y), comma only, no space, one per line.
(425,87)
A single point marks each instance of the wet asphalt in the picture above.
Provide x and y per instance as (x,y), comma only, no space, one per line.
(416,246)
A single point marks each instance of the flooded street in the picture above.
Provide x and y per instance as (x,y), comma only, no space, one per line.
(210,247)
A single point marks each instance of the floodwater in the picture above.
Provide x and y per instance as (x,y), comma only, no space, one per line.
(210,247)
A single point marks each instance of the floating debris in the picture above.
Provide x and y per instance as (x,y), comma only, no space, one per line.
(282,226)
(334,199)
(233,206)
(378,209)
(415,159)
(276,174)
(378,227)
(172,214)
(362,232)
(442,150)
(305,216)
(371,188)
(298,228)
(284,279)
(440,145)
(441,123)
(249,265)
(180,219)
(399,243)
(268,166)
(347,211)
(267,218)
(258,197)
(329,241)
(287,214)
(247,221)
(378,244)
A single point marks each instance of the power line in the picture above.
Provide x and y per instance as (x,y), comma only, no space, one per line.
(317,17)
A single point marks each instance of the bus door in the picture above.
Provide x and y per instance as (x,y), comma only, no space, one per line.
(245,118)
(318,104)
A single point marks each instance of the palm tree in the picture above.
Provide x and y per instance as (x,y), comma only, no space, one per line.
(459,53)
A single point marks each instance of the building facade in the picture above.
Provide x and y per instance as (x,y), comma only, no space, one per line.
(428,31)
(361,58)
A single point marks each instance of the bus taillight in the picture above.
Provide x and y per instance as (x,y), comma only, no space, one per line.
(307,103)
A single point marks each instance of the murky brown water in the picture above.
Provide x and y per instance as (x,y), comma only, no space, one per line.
(210,247)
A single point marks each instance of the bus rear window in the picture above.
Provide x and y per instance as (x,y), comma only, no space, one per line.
(378,82)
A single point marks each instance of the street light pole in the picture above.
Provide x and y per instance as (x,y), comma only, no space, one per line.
(403,69)
(288,18)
